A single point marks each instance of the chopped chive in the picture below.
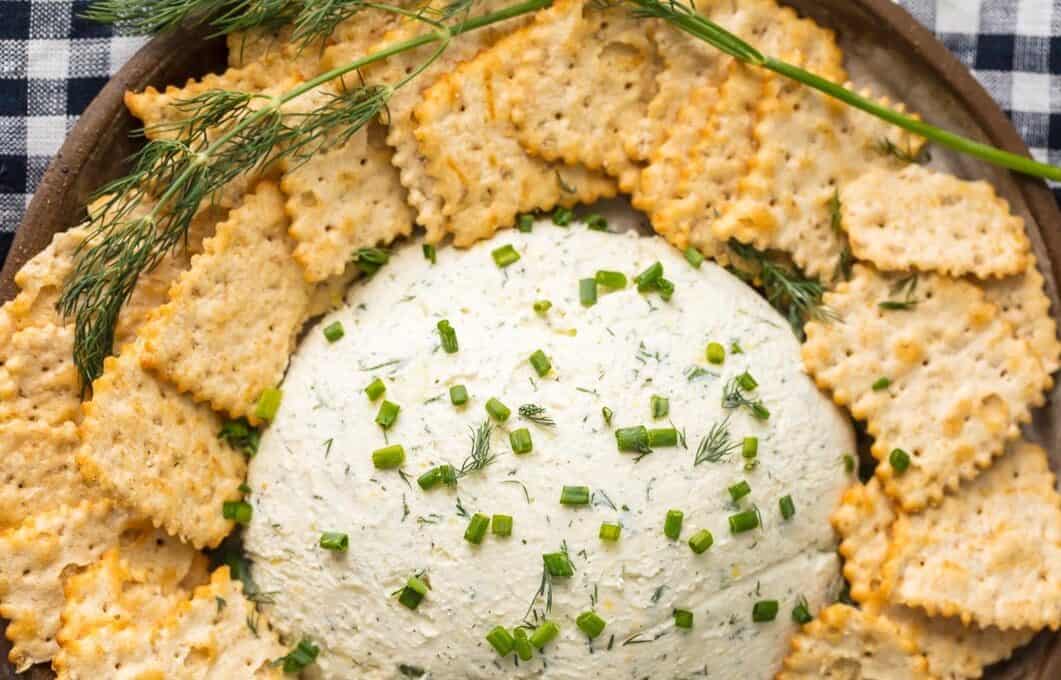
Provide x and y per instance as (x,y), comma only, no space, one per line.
(881,384)
(562,216)
(660,406)
(501,640)
(764,611)
(334,331)
(672,526)
(746,381)
(609,531)
(522,645)
(430,253)
(448,474)
(683,618)
(665,288)
(739,490)
(558,564)
(701,541)
(574,495)
(596,222)
(241,436)
(750,447)
(632,438)
(497,410)
(375,389)
(369,260)
(610,279)
(413,592)
(587,292)
(667,436)
(237,511)
(541,363)
(590,624)
(694,257)
(332,540)
(788,508)
(525,223)
(542,306)
(304,654)
(501,525)
(607,414)
(389,457)
(448,337)
(430,479)
(544,634)
(505,255)
(647,279)
(900,460)
(477,527)
(743,521)
(268,403)
(520,440)
(388,413)
(458,395)
(716,353)
(801,612)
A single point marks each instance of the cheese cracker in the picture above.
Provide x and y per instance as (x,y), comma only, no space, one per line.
(1025,304)
(990,554)
(38,380)
(844,642)
(231,323)
(915,218)
(37,470)
(863,520)
(933,368)
(158,451)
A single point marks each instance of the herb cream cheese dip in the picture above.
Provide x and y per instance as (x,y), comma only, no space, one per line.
(314,472)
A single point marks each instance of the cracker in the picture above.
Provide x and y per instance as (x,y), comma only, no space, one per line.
(33,557)
(961,381)
(158,451)
(844,642)
(37,470)
(344,199)
(808,147)
(863,519)
(38,380)
(480,172)
(990,554)
(41,279)
(916,218)
(1024,304)
(232,320)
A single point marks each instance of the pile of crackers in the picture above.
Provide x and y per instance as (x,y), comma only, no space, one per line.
(939,338)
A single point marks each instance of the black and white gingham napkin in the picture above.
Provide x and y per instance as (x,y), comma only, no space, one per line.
(52,63)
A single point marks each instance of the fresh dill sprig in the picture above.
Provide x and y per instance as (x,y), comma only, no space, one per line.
(889,148)
(536,414)
(224,16)
(906,287)
(845,261)
(480,455)
(733,396)
(716,445)
(788,290)
(545,589)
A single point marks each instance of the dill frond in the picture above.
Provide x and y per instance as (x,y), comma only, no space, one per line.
(845,261)
(481,455)
(224,16)
(889,148)
(716,445)
(536,414)
(733,396)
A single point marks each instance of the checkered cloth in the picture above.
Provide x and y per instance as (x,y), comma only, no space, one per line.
(52,63)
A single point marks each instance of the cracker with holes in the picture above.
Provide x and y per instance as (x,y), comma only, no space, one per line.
(916,218)
(990,554)
(848,642)
(809,147)
(480,172)
(38,380)
(230,325)
(37,470)
(1025,304)
(344,199)
(863,520)
(935,370)
(158,451)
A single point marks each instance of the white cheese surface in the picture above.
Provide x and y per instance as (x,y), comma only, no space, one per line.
(314,471)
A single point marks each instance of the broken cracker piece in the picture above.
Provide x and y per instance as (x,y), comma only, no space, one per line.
(916,218)
(231,323)
(863,519)
(844,642)
(37,470)
(990,554)
(1025,304)
(960,382)
(158,451)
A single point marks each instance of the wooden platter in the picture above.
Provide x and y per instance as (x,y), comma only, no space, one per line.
(885,47)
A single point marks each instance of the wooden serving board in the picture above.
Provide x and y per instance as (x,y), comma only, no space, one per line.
(885,47)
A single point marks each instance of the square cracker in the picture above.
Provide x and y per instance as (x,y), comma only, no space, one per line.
(1025,304)
(916,218)
(37,470)
(157,451)
(481,173)
(962,382)
(844,642)
(990,554)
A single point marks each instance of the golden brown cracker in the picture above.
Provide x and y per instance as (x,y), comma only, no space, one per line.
(38,380)
(158,451)
(1025,304)
(954,383)
(37,470)
(863,519)
(916,218)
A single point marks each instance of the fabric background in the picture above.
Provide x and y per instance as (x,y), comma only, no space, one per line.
(52,63)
